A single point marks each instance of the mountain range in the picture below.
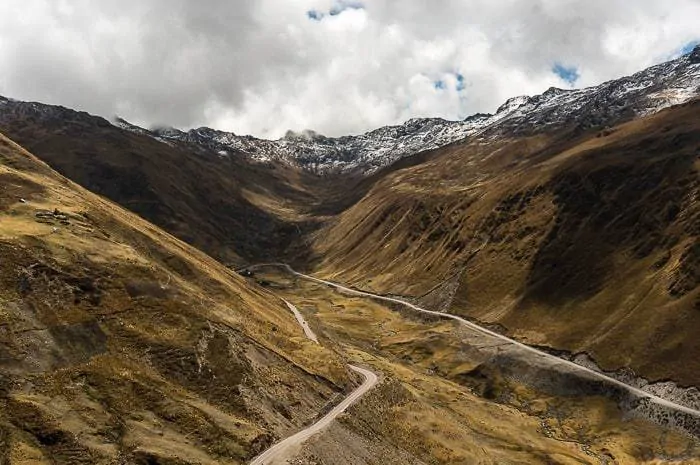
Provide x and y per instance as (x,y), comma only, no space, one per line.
(643,93)
(135,328)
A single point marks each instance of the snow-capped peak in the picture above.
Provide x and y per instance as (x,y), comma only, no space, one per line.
(643,93)
(513,104)
(305,135)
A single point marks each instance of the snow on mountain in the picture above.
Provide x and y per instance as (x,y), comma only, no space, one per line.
(123,124)
(641,94)
(365,153)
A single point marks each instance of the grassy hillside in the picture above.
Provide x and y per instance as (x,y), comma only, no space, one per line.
(234,210)
(122,344)
(583,242)
(447,397)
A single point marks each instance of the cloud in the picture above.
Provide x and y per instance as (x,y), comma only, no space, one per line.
(335,66)
(338,7)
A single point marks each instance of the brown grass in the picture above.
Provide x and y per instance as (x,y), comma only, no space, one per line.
(439,403)
(118,340)
(584,243)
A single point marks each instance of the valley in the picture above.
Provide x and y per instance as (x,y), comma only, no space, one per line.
(451,394)
(120,343)
(525,286)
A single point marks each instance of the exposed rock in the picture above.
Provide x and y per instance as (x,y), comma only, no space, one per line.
(694,56)
(643,93)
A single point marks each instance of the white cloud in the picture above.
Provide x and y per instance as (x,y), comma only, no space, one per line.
(264,66)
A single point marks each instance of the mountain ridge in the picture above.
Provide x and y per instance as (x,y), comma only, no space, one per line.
(643,93)
(570,224)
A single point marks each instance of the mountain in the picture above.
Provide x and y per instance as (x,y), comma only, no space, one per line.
(235,210)
(585,242)
(570,188)
(641,94)
(202,184)
(568,221)
(122,344)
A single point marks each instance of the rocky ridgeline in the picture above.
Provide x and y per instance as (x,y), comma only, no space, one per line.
(641,94)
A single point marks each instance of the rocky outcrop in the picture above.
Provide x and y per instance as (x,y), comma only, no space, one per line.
(694,57)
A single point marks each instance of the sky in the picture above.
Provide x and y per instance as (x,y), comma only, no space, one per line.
(338,67)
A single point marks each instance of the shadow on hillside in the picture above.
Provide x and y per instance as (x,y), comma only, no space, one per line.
(619,201)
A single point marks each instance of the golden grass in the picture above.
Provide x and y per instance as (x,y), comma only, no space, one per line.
(571,240)
(427,406)
(120,340)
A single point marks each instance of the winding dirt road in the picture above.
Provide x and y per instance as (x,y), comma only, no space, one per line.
(287,448)
(550,358)
(302,322)
(278,453)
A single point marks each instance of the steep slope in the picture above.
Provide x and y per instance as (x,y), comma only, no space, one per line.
(204,184)
(580,241)
(231,209)
(121,344)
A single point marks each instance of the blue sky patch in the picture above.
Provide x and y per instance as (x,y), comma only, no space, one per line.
(687,48)
(315,15)
(569,74)
(342,5)
(460,82)
(439,84)
(338,7)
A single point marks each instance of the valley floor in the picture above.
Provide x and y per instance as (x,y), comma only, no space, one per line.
(450,396)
